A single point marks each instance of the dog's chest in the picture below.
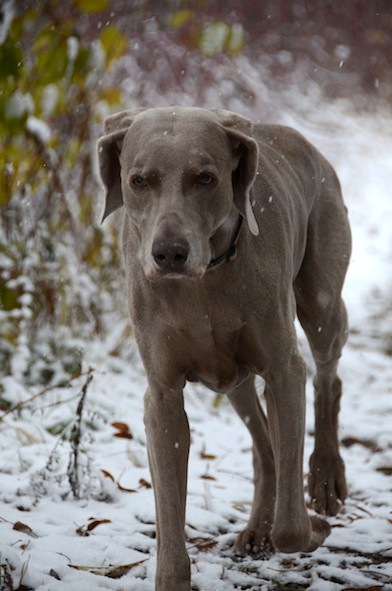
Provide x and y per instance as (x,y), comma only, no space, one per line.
(212,353)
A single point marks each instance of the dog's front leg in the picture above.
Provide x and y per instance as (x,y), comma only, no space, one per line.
(293,529)
(168,448)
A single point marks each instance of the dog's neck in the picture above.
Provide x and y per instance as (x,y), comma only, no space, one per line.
(231,251)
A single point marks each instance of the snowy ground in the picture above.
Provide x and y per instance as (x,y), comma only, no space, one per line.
(105,540)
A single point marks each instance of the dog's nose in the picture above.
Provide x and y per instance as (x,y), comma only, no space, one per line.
(170,254)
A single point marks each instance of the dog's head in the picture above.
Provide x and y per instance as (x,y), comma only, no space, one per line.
(181,174)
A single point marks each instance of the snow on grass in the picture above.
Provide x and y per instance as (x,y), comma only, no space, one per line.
(51,541)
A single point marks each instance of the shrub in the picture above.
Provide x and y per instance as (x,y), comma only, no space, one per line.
(56,261)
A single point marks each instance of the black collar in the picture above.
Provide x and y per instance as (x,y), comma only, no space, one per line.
(231,252)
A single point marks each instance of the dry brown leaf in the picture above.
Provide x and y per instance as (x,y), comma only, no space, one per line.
(201,544)
(124,489)
(111,571)
(122,430)
(119,486)
(95,522)
(144,483)
(386,470)
(205,456)
(84,530)
(206,545)
(364,510)
(22,527)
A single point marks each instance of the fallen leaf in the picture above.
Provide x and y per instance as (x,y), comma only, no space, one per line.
(386,470)
(97,522)
(201,544)
(206,545)
(122,430)
(84,530)
(113,572)
(364,510)
(119,486)
(124,489)
(206,456)
(368,443)
(207,477)
(144,483)
(19,526)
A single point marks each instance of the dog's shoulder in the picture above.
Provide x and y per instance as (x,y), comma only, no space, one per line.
(280,137)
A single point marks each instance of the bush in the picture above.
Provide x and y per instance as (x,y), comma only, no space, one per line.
(56,261)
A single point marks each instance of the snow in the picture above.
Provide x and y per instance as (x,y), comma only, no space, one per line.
(46,533)
(7,15)
(39,129)
(18,105)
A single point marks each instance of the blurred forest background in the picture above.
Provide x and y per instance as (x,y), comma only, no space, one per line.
(66,64)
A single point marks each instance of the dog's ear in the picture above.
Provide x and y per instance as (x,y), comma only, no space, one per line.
(109,149)
(239,130)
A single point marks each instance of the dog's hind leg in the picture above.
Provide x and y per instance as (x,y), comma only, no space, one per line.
(256,537)
(323,317)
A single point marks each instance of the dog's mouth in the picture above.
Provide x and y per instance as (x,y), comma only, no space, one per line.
(158,274)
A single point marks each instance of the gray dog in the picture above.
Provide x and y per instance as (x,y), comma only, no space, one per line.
(230,230)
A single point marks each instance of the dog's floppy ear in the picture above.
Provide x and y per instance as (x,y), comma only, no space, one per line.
(109,149)
(239,129)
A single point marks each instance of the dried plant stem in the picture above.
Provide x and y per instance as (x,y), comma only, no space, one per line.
(42,393)
(75,439)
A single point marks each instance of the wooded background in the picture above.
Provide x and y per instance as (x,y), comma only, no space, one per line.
(64,66)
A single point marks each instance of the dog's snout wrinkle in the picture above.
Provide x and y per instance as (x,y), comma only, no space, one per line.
(170,254)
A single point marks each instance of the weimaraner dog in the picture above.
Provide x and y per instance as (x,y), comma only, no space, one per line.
(230,230)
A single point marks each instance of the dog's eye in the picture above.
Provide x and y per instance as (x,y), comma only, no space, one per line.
(206,178)
(139,181)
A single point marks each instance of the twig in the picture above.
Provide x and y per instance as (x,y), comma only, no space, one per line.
(42,392)
(75,438)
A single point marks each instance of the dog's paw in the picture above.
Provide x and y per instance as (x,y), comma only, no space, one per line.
(327,483)
(320,530)
(254,542)
(306,539)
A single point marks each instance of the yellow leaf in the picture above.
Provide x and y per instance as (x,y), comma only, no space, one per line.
(180,18)
(91,5)
(113,42)
(111,95)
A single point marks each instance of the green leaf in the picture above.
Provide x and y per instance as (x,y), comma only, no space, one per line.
(213,38)
(91,5)
(11,60)
(113,42)
(52,64)
(8,299)
(180,18)
(235,39)
(81,65)
(218,37)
